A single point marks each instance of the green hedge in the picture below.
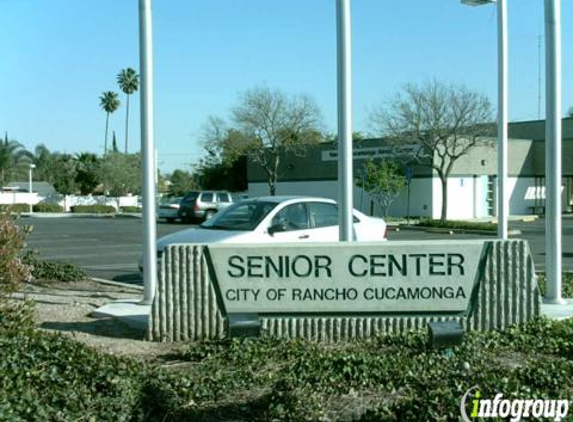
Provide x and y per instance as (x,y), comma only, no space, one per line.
(14,208)
(93,209)
(131,209)
(46,207)
(460,225)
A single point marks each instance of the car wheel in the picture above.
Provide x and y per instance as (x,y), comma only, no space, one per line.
(209,214)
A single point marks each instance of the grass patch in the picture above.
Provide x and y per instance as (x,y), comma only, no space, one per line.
(457,225)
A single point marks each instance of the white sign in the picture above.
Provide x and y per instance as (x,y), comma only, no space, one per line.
(375,152)
(381,277)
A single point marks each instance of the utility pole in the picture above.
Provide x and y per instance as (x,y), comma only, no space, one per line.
(553,151)
(147,150)
(345,181)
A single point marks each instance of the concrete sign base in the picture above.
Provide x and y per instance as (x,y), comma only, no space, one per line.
(191,303)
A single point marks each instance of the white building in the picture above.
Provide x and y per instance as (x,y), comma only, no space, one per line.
(471,184)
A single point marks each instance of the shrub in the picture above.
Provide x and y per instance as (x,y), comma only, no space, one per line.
(14,208)
(94,209)
(46,271)
(47,377)
(567,284)
(13,272)
(131,209)
(460,225)
(47,207)
(387,378)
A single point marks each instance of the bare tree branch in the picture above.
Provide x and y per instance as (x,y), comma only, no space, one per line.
(265,124)
(445,120)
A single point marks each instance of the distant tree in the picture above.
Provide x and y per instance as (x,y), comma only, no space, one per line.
(383,180)
(114,144)
(444,122)
(121,174)
(231,176)
(45,164)
(163,184)
(570,112)
(14,159)
(109,102)
(128,81)
(357,137)
(64,175)
(181,182)
(265,124)
(87,172)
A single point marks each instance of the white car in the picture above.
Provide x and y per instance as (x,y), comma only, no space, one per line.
(277,219)
(169,209)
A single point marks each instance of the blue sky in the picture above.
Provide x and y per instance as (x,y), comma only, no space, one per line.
(58,56)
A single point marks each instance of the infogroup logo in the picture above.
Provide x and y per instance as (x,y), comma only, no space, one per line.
(516,409)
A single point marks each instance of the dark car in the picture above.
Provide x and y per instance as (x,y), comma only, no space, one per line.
(202,205)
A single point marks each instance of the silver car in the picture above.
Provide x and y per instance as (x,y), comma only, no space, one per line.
(202,205)
(169,209)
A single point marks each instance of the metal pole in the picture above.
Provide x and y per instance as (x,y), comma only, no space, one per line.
(345,182)
(156,161)
(408,205)
(147,150)
(32,166)
(502,119)
(553,151)
(362,194)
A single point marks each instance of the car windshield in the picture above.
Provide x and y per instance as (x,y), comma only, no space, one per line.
(243,216)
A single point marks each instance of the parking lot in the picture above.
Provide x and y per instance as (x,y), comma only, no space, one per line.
(109,248)
(105,248)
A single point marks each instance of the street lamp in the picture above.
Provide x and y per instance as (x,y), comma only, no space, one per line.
(502,115)
(32,167)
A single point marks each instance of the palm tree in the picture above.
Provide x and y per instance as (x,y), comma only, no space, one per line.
(128,81)
(13,158)
(110,103)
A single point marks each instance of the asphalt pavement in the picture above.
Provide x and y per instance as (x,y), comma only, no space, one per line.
(106,248)
(109,248)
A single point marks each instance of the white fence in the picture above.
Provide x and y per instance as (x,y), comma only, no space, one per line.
(11,198)
(68,201)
